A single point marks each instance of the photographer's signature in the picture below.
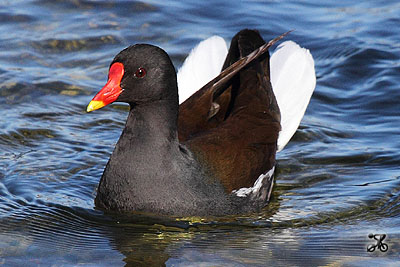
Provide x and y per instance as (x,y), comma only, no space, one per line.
(379,243)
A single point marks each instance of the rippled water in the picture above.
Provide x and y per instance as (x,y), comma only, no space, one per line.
(337,181)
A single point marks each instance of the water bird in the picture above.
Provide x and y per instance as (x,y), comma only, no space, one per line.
(214,153)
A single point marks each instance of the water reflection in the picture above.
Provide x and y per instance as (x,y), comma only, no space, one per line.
(84,235)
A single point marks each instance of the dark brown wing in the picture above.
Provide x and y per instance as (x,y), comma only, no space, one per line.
(206,108)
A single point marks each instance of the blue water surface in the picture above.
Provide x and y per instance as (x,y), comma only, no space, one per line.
(338,180)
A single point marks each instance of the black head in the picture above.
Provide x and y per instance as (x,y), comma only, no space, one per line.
(139,74)
(149,74)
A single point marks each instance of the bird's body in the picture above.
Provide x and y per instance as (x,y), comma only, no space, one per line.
(212,155)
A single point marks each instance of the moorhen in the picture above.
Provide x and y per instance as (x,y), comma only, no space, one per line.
(212,155)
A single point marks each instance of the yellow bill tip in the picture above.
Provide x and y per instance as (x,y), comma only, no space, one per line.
(93,105)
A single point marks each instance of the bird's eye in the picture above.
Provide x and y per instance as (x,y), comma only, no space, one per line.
(140,72)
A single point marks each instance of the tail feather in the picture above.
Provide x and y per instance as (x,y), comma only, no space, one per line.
(202,65)
(293,81)
(292,77)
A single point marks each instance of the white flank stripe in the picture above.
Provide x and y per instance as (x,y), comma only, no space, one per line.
(245,191)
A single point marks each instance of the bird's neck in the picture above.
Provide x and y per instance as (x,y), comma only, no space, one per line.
(148,139)
(138,170)
(153,123)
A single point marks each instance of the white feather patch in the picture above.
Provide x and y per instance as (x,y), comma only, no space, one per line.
(203,64)
(293,81)
(246,191)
